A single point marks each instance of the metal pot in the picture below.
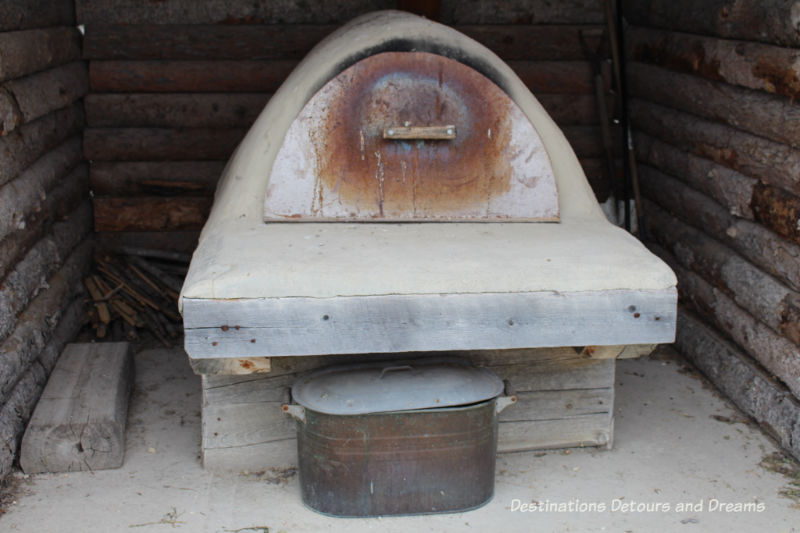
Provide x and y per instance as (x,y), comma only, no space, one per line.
(402,439)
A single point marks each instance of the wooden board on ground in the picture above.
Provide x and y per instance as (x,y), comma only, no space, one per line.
(79,423)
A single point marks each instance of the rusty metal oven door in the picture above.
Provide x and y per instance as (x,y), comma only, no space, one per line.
(411,136)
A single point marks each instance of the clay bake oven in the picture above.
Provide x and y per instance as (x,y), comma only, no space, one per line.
(404,193)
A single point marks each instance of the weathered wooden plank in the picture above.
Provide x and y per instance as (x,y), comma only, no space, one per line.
(195,42)
(771,162)
(760,294)
(559,404)
(17,409)
(221,76)
(264,456)
(731,189)
(28,143)
(150,144)
(549,375)
(245,424)
(752,65)
(97,12)
(151,213)
(573,432)
(25,195)
(770,21)
(755,112)
(742,380)
(26,52)
(36,324)
(525,12)
(778,355)
(145,178)
(772,253)
(58,205)
(211,110)
(79,422)
(232,367)
(43,92)
(15,15)
(402,323)
(179,241)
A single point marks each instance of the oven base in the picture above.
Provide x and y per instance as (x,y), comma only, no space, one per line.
(566,399)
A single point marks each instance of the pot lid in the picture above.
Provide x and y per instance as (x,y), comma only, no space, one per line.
(395,386)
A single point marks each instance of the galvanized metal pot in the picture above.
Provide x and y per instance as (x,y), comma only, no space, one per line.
(401,461)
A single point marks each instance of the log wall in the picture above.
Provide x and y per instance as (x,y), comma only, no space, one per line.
(717,129)
(45,212)
(175,84)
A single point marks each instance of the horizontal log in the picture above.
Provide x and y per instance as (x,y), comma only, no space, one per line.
(36,324)
(26,52)
(529,42)
(24,195)
(770,21)
(43,92)
(758,293)
(753,65)
(98,12)
(145,178)
(226,110)
(504,12)
(178,241)
(778,356)
(16,15)
(755,112)
(766,160)
(163,144)
(733,190)
(741,380)
(560,77)
(202,41)
(23,146)
(211,110)
(772,253)
(58,205)
(586,141)
(555,77)
(150,213)
(189,76)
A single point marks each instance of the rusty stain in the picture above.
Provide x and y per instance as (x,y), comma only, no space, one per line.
(214,343)
(253,341)
(225,328)
(398,89)
(776,209)
(779,79)
(247,365)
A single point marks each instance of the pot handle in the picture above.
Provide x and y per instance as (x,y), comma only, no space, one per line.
(504,401)
(295,411)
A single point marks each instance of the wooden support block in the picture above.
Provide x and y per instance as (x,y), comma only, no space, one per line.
(79,423)
(564,401)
